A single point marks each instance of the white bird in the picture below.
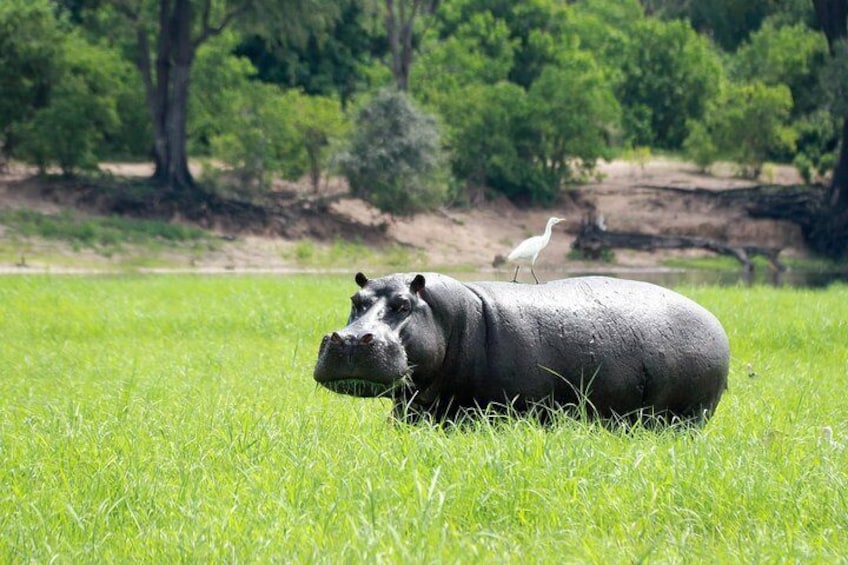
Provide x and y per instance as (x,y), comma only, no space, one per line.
(529,249)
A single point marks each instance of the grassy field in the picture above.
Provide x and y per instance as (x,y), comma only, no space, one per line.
(174,419)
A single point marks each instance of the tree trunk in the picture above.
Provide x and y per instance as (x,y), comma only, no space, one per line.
(394,27)
(838,197)
(829,233)
(177,173)
(167,94)
(400,28)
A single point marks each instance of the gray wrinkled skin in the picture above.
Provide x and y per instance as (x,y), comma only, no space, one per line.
(600,346)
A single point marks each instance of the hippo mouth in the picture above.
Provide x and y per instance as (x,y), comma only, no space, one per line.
(359,387)
(364,368)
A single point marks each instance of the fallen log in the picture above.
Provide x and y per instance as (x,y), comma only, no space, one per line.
(592,239)
(797,203)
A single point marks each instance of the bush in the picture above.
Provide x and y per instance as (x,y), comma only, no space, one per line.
(818,138)
(81,110)
(319,123)
(747,124)
(30,60)
(487,138)
(753,124)
(394,157)
(258,128)
(699,146)
(258,138)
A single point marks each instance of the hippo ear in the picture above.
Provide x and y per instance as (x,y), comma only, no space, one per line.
(361,280)
(417,284)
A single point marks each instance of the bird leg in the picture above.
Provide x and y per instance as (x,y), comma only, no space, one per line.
(534,273)
(515,276)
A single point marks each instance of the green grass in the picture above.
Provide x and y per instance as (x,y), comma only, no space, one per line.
(724,263)
(340,252)
(174,419)
(103,233)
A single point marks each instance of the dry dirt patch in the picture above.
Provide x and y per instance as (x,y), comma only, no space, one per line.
(626,196)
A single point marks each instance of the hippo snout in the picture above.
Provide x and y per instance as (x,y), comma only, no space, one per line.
(360,362)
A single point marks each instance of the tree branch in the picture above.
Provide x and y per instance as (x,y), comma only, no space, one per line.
(209,31)
(125,8)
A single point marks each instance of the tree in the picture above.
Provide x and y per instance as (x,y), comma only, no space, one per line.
(575,114)
(400,17)
(167,34)
(749,122)
(318,122)
(670,75)
(30,45)
(830,235)
(80,111)
(336,61)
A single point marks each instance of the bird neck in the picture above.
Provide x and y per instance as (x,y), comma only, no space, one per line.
(548,229)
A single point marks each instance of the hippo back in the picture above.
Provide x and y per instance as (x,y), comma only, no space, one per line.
(622,345)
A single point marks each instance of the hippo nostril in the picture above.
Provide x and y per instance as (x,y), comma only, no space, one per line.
(336,338)
(366,339)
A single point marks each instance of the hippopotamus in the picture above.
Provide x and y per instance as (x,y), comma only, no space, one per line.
(591,346)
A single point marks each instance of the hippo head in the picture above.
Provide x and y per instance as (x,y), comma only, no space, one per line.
(390,336)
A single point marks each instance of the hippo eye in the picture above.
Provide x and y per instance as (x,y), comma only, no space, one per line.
(401,305)
(360,303)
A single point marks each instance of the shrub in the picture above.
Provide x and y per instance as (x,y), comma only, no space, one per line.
(82,108)
(747,124)
(30,54)
(753,124)
(258,138)
(699,146)
(394,157)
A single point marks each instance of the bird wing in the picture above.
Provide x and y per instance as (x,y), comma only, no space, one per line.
(526,249)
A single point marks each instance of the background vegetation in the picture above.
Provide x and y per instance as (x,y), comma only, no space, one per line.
(527,96)
(174,418)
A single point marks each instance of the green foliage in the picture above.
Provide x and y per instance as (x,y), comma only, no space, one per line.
(394,157)
(489,136)
(535,30)
(480,51)
(319,124)
(257,128)
(670,75)
(523,143)
(334,62)
(81,110)
(792,55)
(259,138)
(220,81)
(728,21)
(505,80)
(748,123)
(575,114)
(818,135)
(167,419)
(605,28)
(31,42)
(754,123)
(699,145)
